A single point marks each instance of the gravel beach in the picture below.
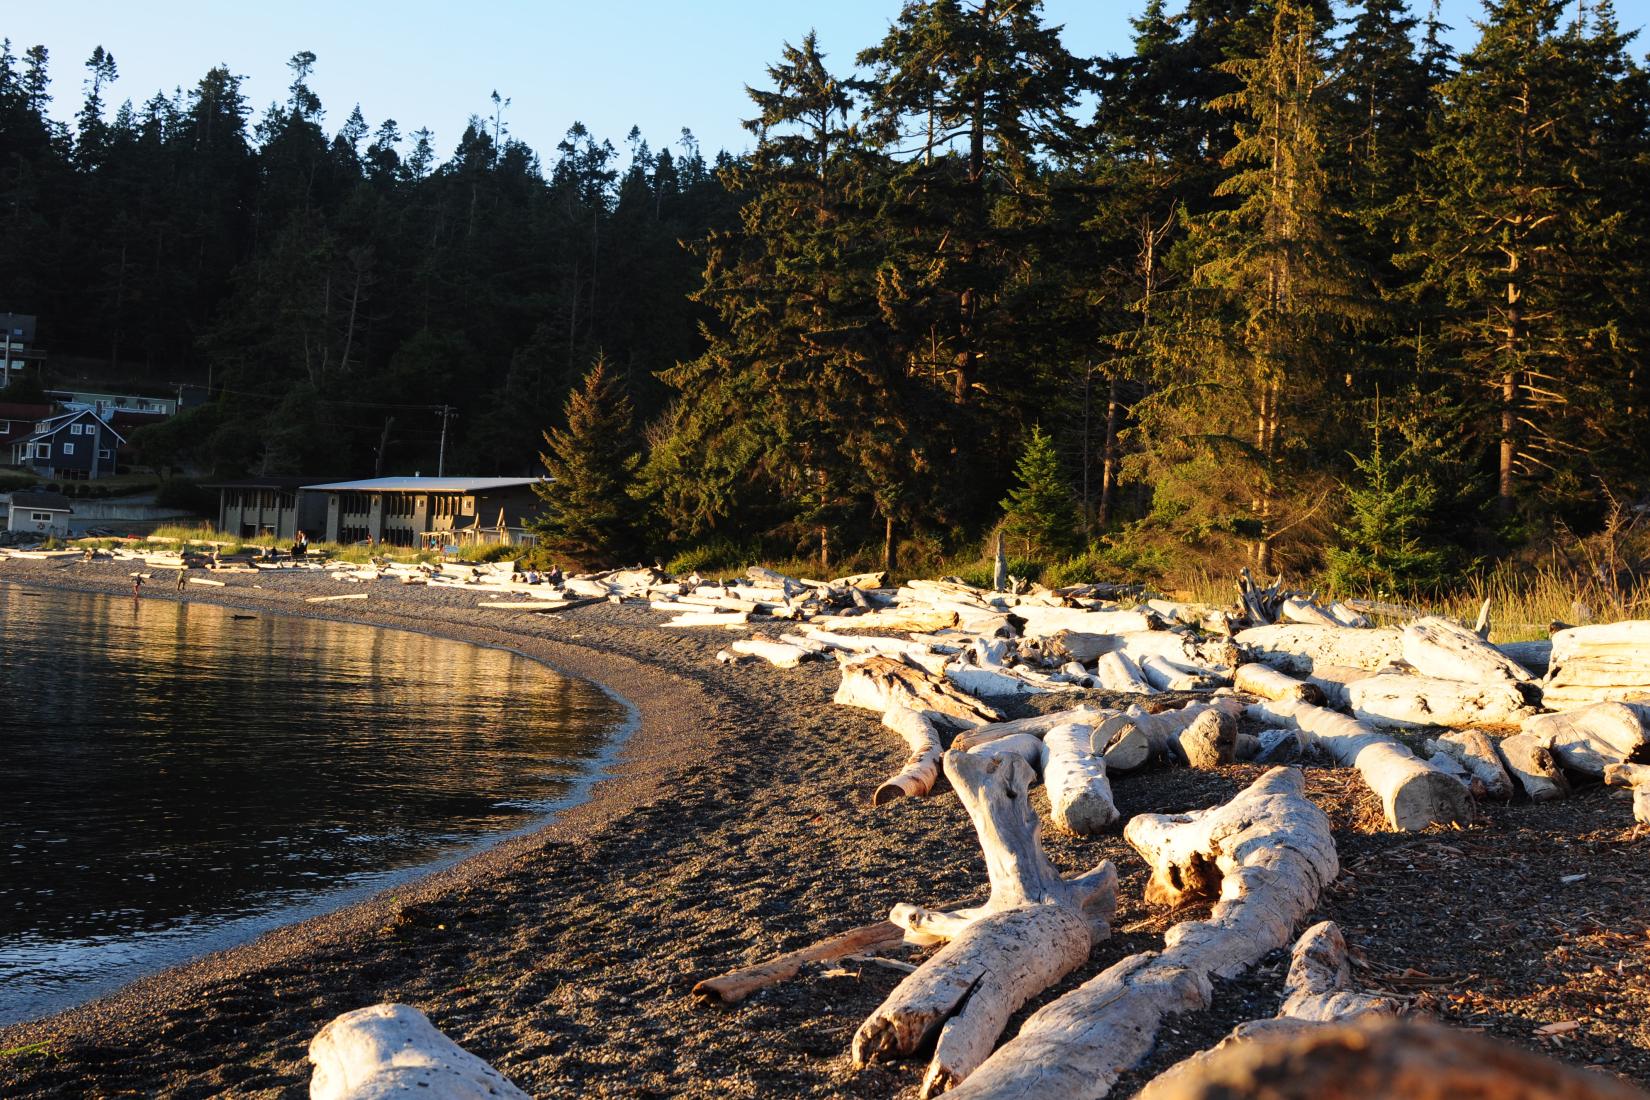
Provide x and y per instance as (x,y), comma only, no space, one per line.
(735,825)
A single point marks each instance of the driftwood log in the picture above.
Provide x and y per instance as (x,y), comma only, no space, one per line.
(1477,754)
(1636,776)
(1413,794)
(1592,664)
(878,682)
(1268,683)
(1384,1058)
(1298,649)
(1400,701)
(1035,928)
(736,985)
(1589,739)
(388,1050)
(1529,759)
(1079,791)
(1118,672)
(921,772)
(1266,855)
(1448,651)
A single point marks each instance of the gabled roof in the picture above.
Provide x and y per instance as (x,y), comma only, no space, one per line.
(41,499)
(58,423)
(427,484)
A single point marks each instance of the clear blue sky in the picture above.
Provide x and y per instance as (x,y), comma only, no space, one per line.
(658,64)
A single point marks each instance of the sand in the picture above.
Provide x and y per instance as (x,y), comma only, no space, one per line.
(737,824)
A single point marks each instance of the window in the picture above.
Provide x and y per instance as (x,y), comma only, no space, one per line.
(104,452)
(74,429)
(41,517)
(42,450)
(68,448)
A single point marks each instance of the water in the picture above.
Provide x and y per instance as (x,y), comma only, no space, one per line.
(175,778)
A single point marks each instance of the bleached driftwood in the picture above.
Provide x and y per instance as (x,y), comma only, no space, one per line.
(1335,681)
(1592,664)
(1209,741)
(1279,745)
(1268,683)
(1399,701)
(1162,730)
(1298,649)
(1317,991)
(387,1050)
(1043,621)
(877,683)
(1529,759)
(1026,746)
(1477,754)
(777,654)
(1079,791)
(732,620)
(1448,651)
(889,618)
(1037,724)
(922,768)
(1413,794)
(1168,675)
(1120,743)
(852,643)
(1035,928)
(1266,854)
(1588,739)
(1377,1057)
(1636,776)
(1533,656)
(989,681)
(1117,672)
(736,985)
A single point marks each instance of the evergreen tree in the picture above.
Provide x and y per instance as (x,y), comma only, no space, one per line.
(1384,545)
(1040,511)
(587,512)
(1526,240)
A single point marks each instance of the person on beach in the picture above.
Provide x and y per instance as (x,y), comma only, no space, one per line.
(183,576)
(300,545)
(137,587)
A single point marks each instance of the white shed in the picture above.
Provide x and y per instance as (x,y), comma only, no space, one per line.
(38,513)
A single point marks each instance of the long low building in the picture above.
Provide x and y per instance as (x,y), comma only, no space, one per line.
(419,511)
(269,507)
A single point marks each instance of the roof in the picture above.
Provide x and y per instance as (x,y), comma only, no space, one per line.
(427,484)
(262,483)
(46,501)
(58,423)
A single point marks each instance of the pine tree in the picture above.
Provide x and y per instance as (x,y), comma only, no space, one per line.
(1384,545)
(1245,356)
(1040,511)
(1525,238)
(591,464)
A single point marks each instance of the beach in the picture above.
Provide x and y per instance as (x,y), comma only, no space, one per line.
(735,825)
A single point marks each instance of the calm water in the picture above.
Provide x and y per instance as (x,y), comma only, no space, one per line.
(175,778)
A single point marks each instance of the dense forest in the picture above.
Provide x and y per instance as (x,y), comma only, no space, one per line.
(1291,279)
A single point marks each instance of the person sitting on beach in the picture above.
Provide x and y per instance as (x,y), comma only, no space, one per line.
(300,545)
(554,578)
(534,577)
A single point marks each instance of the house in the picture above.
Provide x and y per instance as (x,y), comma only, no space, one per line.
(72,446)
(16,336)
(277,507)
(18,420)
(107,402)
(416,511)
(38,513)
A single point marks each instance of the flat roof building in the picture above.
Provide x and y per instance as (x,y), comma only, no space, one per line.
(420,511)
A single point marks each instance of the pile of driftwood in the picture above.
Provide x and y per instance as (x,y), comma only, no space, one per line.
(1430,715)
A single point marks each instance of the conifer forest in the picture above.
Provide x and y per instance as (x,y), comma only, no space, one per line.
(1293,283)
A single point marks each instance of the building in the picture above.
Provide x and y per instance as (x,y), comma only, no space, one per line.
(72,446)
(107,403)
(419,511)
(17,420)
(38,513)
(16,345)
(277,507)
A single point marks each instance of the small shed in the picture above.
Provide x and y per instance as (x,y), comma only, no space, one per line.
(37,512)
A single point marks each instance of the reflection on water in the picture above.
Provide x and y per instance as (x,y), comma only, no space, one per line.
(175,777)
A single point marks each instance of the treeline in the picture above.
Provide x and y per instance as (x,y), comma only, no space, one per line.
(336,288)
(1285,278)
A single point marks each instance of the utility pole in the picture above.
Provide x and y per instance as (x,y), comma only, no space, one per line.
(447,413)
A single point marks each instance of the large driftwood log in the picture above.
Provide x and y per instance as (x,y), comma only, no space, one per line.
(1209,741)
(1169,675)
(1399,701)
(1448,651)
(1335,681)
(1268,683)
(1035,928)
(1118,672)
(1026,746)
(1529,758)
(1079,791)
(989,681)
(1298,649)
(1040,622)
(922,768)
(1037,724)
(388,1050)
(1373,1057)
(877,683)
(777,654)
(1477,754)
(1413,794)
(1636,776)
(1267,854)
(889,618)
(1588,739)
(1592,664)
(1162,731)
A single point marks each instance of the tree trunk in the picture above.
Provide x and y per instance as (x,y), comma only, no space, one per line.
(1477,754)
(1589,739)
(1079,791)
(1400,701)
(1268,683)
(922,768)
(1529,757)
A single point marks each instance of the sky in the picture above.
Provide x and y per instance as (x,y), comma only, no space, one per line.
(656,64)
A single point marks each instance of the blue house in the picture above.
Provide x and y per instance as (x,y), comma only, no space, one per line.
(73,446)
